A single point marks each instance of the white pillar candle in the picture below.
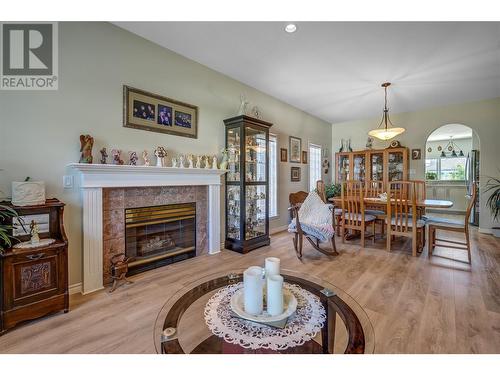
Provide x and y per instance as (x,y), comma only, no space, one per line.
(252,290)
(272,266)
(274,295)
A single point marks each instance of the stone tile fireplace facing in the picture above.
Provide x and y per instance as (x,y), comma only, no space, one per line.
(116,200)
(108,189)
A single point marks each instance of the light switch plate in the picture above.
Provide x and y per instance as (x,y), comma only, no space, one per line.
(68,182)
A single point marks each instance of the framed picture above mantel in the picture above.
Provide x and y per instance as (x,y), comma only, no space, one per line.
(147,111)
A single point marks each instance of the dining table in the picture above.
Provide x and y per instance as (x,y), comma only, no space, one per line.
(373,201)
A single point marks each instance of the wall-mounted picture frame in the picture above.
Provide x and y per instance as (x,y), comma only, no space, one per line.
(295,149)
(304,157)
(283,155)
(147,111)
(295,174)
(416,154)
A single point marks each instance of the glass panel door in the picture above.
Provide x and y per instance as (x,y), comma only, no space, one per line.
(343,166)
(395,165)
(233,147)
(255,158)
(359,166)
(256,208)
(233,212)
(377,167)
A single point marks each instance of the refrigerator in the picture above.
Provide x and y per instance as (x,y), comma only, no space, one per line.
(472,177)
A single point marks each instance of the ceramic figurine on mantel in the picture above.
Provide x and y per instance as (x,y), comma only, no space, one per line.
(116,154)
(133,158)
(190,159)
(86,144)
(145,157)
(214,162)
(225,159)
(198,161)
(207,161)
(161,154)
(181,161)
(104,155)
(174,162)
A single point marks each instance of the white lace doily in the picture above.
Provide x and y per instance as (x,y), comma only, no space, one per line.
(301,326)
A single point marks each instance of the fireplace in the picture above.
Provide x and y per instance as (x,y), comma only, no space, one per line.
(159,235)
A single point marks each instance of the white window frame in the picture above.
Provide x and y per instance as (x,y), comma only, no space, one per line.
(438,170)
(273,180)
(318,172)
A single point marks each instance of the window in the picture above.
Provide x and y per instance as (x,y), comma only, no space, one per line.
(273,176)
(314,165)
(446,169)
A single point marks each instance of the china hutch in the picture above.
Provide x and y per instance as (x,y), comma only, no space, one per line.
(390,164)
(34,278)
(247,183)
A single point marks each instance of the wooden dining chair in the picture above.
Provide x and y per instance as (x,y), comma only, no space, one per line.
(354,217)
(321,190)
(401,202)
(435,224)
(373,189)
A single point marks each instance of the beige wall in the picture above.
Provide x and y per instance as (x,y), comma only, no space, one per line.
(39,130)
(483,117)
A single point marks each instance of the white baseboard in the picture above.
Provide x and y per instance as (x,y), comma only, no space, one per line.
(485,230)
(75,288)
(278,229)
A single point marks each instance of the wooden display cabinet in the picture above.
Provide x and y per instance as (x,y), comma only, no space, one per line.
(34,281)
(390,164)
(247,183)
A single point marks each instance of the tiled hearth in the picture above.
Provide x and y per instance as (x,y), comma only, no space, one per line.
(108,189)
(116,200)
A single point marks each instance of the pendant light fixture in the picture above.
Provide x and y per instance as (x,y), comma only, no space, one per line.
(387,131)
(453,147)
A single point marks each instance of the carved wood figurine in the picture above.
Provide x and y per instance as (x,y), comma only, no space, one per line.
(86,144)
(119,269)
(104,155)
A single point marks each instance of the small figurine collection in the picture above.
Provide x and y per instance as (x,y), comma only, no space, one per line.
(180,161)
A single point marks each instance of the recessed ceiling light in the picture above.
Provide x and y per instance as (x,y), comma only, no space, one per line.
(290,28)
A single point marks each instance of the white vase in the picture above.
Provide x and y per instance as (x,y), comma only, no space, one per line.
(28,193)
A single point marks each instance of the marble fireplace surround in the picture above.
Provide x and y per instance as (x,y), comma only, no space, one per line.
(105,184)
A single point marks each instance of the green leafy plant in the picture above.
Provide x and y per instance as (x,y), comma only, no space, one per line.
(6,238)
(493,202)
(332,190)
(431,176)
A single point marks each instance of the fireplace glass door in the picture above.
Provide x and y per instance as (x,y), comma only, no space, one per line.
(160,235)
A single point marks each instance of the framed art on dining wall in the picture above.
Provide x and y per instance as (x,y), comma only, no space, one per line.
(147,111)
(295,149)
(295,174)
(283,155)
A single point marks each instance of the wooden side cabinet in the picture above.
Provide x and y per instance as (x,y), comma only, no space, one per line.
(34,282)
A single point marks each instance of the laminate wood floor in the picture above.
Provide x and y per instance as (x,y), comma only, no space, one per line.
(416,305)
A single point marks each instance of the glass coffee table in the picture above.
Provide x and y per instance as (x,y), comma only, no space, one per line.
(180,326)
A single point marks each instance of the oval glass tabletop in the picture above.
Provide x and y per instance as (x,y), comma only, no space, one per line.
(180,326)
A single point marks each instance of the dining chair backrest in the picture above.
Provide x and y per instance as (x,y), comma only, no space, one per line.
(321,190)
(472,202)
(400,204)
(353,205)
(373,189)
(419,190)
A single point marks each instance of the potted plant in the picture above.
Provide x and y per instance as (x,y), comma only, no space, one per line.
(493,202)
(332,190)
(6,213)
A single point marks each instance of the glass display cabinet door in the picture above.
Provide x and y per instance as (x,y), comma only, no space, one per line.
(395,165)
(255,208)
(377,167)
(344,167)
(233,146)
(233,212)
(359,163)
(255,155)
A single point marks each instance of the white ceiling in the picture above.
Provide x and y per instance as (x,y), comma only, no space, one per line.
(455,131)
(333,70)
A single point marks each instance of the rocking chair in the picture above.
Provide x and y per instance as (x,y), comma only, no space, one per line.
(296,200)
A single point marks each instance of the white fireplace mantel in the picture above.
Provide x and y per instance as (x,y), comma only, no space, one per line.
(95,177)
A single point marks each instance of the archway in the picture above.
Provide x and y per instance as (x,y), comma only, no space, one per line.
(452,166)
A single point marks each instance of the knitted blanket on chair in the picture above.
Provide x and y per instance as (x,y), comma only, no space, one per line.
(315,218)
